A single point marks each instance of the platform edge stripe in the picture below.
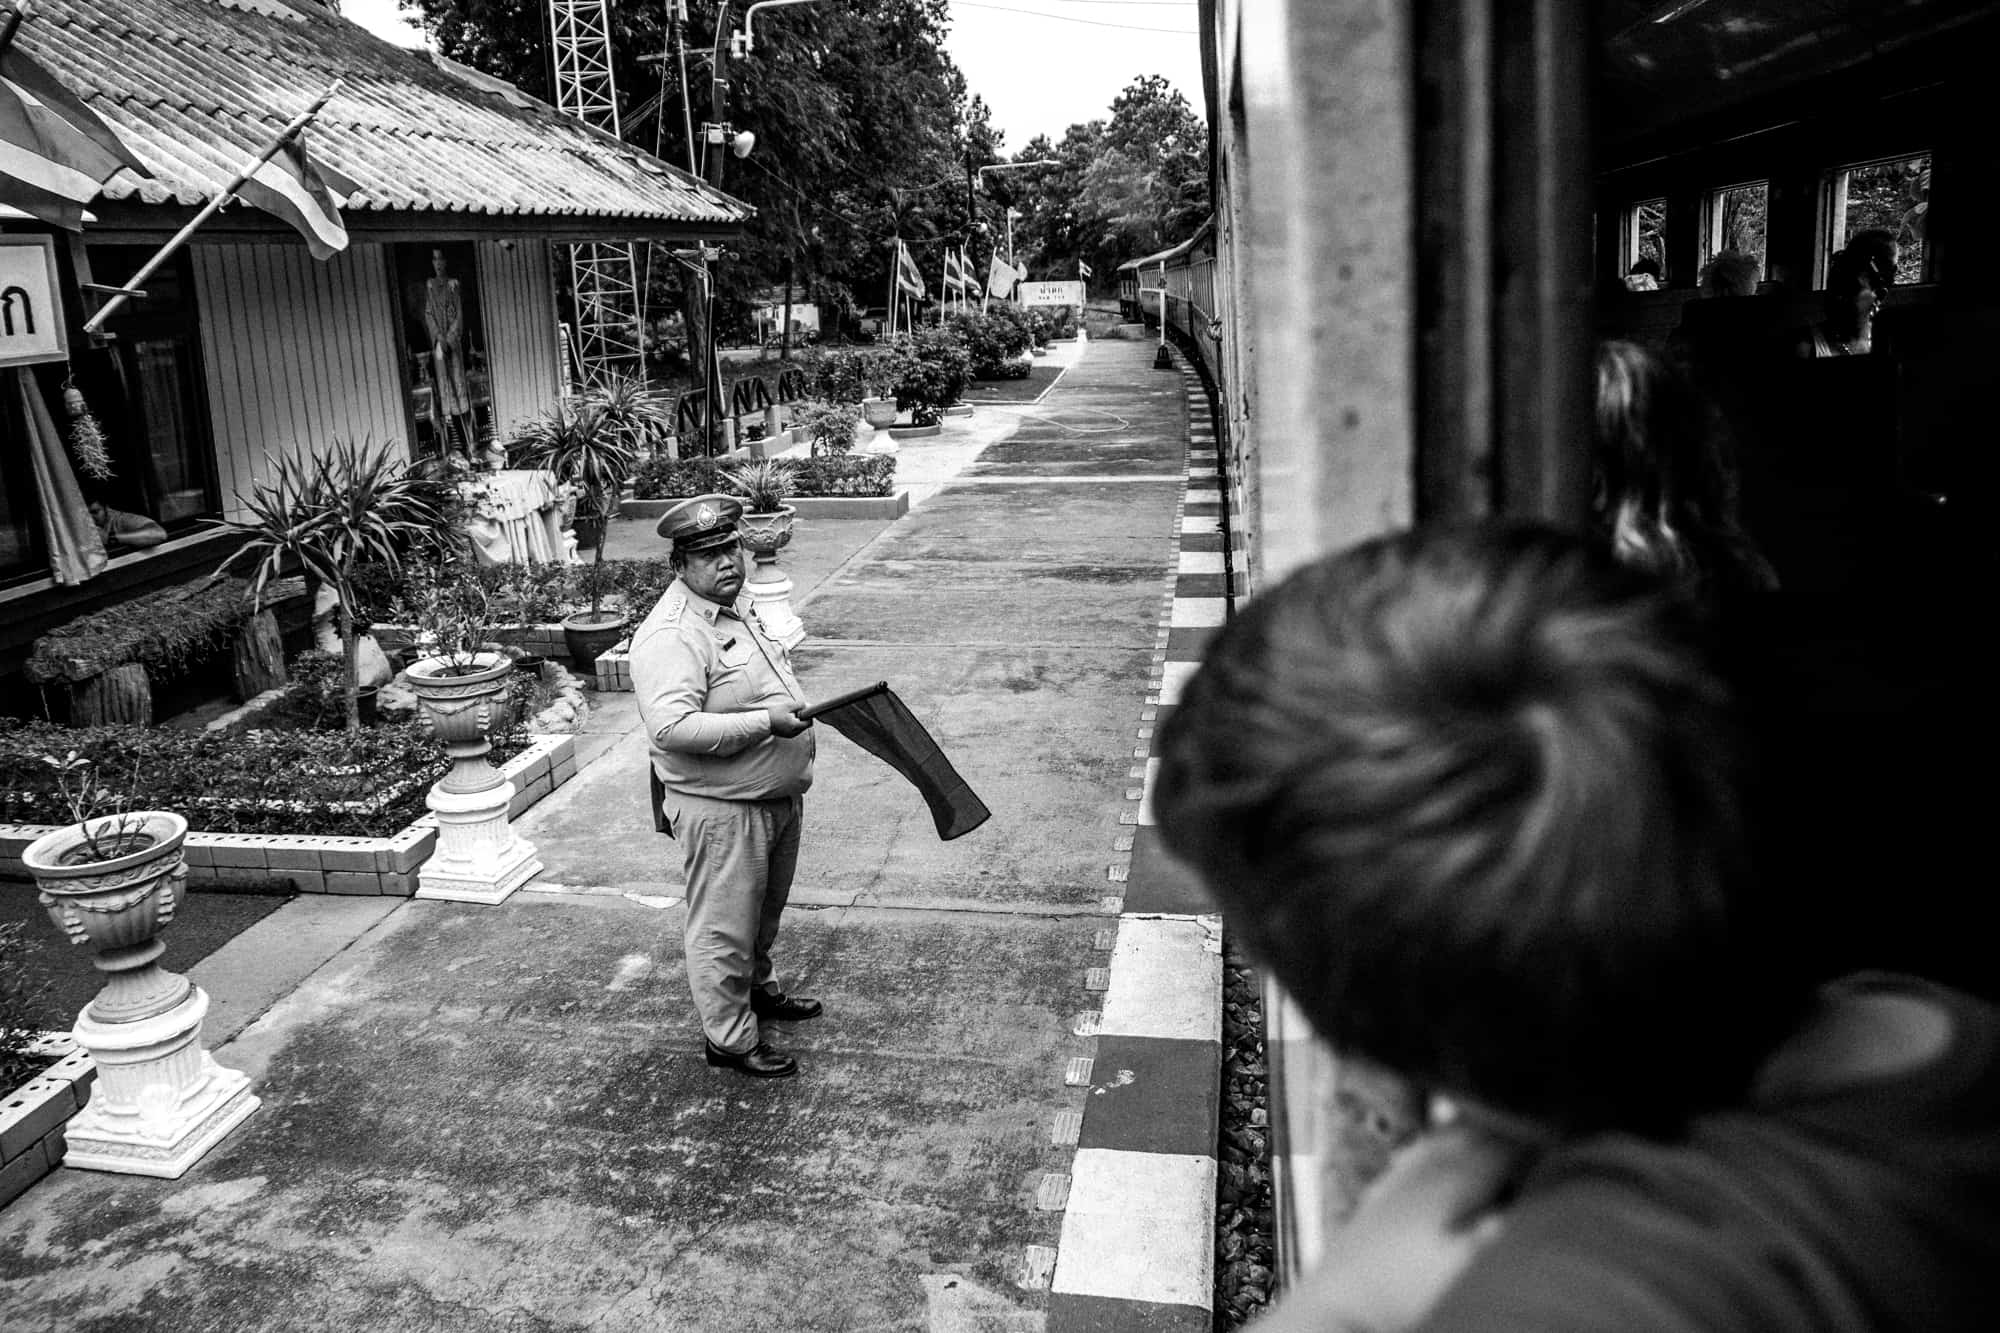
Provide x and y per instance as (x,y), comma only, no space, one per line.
(1139,1227)
(1166,979)
(1146,794)
(1149,1094)
(1070,1313)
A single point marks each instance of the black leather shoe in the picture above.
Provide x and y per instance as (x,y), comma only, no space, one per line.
(784,1008)
(760,1061)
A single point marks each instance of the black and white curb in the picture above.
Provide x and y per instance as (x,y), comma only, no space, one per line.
(1137,1249)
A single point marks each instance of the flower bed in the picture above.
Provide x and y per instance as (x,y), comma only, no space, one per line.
(368,784)
(854,475)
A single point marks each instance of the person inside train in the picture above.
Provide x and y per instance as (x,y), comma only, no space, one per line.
(1846,326)
(1482,802)
(1665,484)
(1730,273)
(1643,276)
(1878,248)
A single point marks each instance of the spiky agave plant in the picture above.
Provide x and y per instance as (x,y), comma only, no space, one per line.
(592,441)
(346,506)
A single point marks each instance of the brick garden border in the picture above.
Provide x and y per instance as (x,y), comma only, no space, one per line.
(317,863)
(33,1117)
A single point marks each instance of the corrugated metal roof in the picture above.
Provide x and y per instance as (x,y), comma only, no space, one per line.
(195,87)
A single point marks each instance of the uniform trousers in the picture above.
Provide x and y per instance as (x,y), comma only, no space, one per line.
(740,857)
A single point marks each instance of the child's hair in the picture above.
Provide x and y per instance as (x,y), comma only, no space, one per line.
(1476,800)
(1666,495)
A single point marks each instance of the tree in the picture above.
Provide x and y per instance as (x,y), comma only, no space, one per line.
(846,98)
(1126,186)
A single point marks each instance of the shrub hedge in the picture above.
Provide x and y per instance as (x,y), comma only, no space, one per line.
(852,474)
(369,784)
(162,631)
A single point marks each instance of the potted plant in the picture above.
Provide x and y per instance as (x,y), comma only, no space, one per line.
(592,442)
(764,484)
(346,508)
(461,679)
(113,881)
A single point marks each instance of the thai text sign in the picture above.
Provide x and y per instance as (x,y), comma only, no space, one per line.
(1050,293)
(31,313)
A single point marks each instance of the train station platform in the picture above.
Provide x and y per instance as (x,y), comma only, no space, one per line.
(500,1117)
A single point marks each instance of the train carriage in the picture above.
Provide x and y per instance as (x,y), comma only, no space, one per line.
(1454,201)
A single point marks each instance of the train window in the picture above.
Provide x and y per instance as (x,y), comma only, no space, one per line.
(1646,245)
(1890,195)
(1735,221)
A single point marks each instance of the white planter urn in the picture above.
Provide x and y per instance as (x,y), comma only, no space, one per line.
(479,857)
(160,1101)
(769,587)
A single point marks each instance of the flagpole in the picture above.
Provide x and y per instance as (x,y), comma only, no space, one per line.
(96,322)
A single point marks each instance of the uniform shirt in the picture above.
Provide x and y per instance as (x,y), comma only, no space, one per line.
(704,675)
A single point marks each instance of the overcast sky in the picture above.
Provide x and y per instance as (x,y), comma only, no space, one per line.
(1042,65)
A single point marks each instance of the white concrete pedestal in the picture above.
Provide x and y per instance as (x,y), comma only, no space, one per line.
(770,590)
(160,1100)
(479,857)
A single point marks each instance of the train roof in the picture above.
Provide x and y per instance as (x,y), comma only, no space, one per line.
(1174,252)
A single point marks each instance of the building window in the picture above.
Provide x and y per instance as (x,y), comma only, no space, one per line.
(145,388)
(1646,245)
(1736,221)
(1890,195)
(21,551)
(444,342)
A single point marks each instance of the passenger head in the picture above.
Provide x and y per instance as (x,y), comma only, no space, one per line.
(1853,291)
(1665,491)
(1878,249)
(1731,273)
(1476,800)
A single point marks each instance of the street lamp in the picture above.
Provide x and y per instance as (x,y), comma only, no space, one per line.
(980,175)
(744,41)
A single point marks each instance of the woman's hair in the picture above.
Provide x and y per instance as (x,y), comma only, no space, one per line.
(1731,273)
(1666,497)
(1846,274)
(1477,800)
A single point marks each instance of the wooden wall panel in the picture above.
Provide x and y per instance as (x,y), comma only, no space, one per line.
(297,353)
(517,296)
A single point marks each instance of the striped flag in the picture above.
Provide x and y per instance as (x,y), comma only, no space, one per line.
(55,152)
(301,192)
(909,278)
(1082,269)
(954,271)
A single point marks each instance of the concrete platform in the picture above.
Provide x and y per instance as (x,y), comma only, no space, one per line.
(499,1117)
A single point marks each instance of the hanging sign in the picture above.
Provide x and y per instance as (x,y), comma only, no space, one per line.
(31,313)
(1050,293)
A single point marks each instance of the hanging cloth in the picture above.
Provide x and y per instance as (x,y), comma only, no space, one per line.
(76,547)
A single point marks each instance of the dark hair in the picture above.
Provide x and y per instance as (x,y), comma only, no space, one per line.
(1476,800)
(1846,274)
(1647,265)
(1876,248)
(1730,273)
(1666,491)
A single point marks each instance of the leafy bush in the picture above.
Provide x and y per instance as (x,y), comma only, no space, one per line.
(828,427)
(764,484)
(1041,325)
(24,1011)
(933,365)
(993,341)
(842,376)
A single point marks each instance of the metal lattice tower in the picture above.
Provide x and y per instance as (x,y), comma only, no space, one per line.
(603,275)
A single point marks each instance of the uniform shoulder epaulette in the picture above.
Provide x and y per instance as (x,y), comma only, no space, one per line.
(672,606)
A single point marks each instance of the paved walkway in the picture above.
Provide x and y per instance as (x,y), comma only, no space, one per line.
(479,1118)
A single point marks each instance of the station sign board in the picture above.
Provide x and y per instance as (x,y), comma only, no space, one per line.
(1050,293)
(31,314)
